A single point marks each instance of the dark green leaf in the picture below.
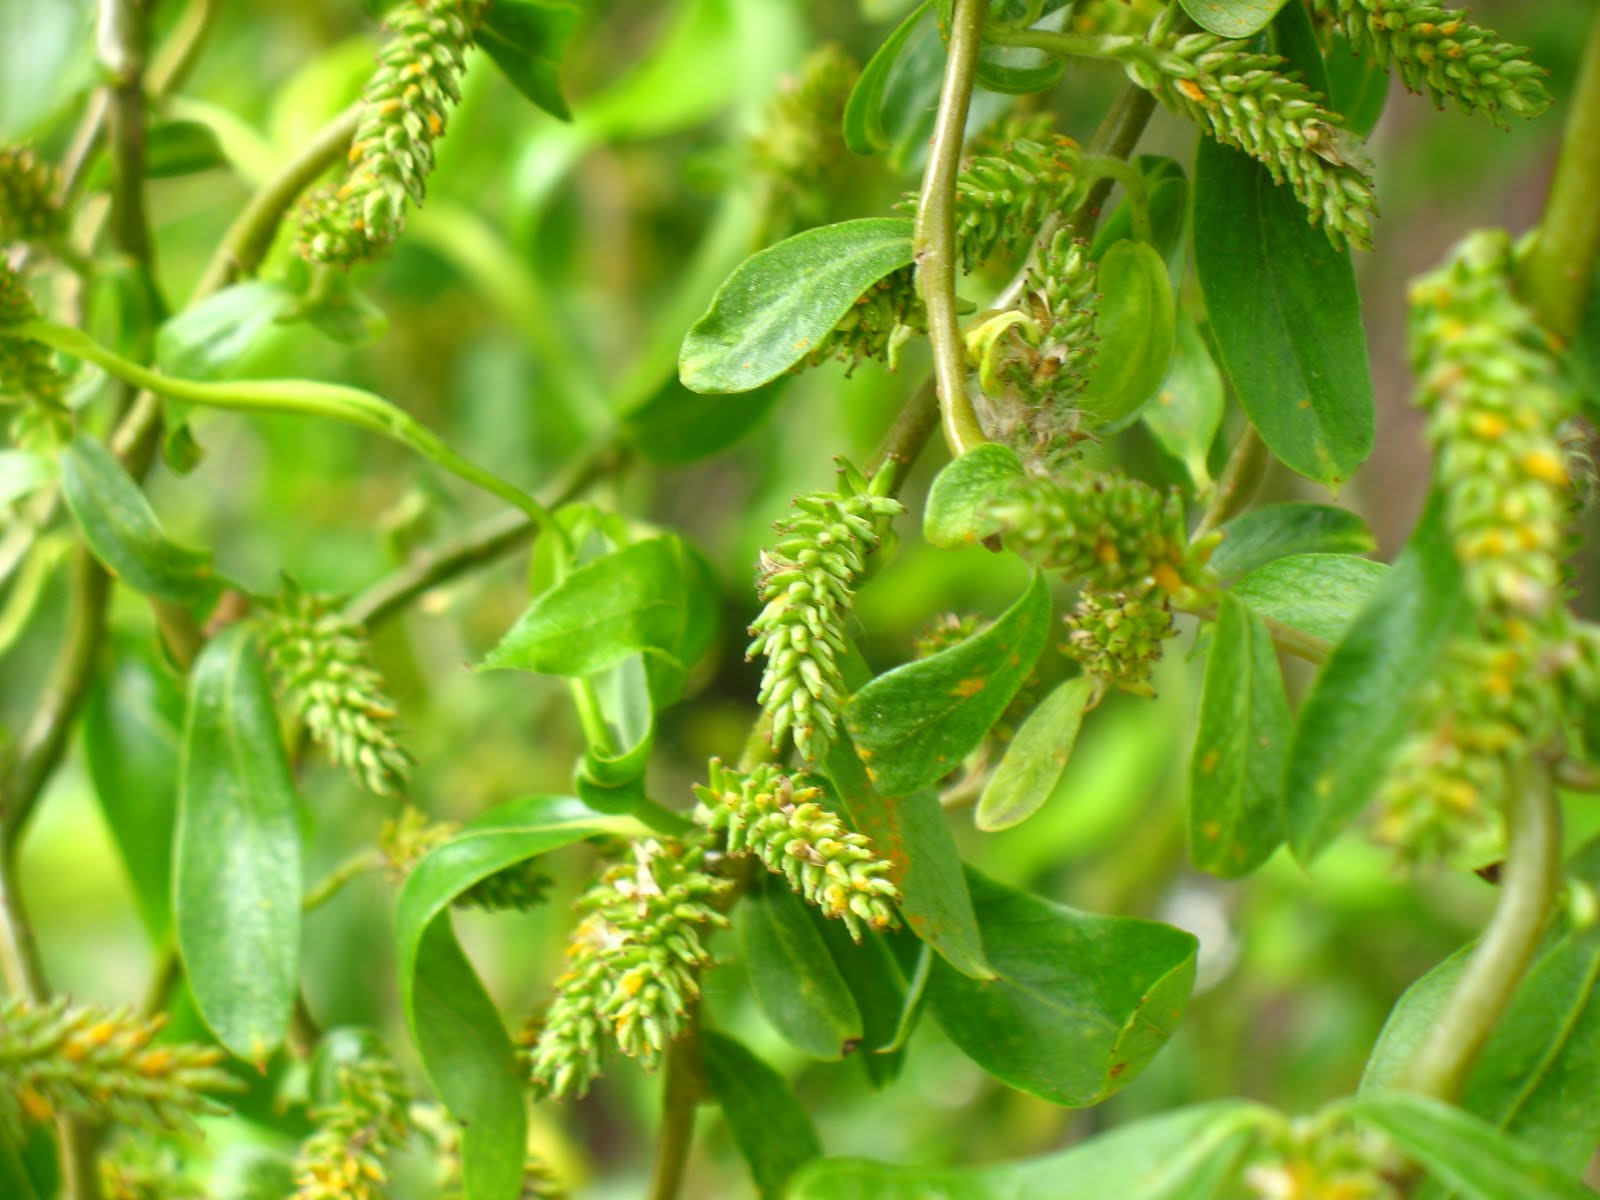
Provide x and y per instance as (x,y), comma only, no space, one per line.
(205,339)
(676,426)
(1358,85)
(952,516)
(911,831)
(863,112)
(792,974)
(1187,411)
(1458,1149)
(1082,1002)
(236,853)
(1236,771)
(869,970)
(1285,314)
(132,728)
(1319,594)
(1279,530)
(1359,707)
(123,531)
(526,39)
(780,303)
(464,1048)
(1232,18)
(770,1125)
(1191,1154)
(339,310)
(172,149)
(1134,325)
(1036,758)
(914,725)
(600,613)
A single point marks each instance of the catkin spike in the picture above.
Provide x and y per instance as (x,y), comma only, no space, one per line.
(1119,638)
(28,371)
(404,110)
(345,1156)
(104,1064)
(323,668)
(30,197)
(776,818)
(1438,51)
(806,582)
(799,153)
(633,968)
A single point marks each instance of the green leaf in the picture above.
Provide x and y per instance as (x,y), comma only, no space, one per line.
(1358,85)
(132,728)
(1360,705)
(1279,530)
(677,426)
(911,831)
(1134,325)
(526,39)
(1082,1002)
(863,112)
(464,1047)
(1319,594)
(1192,1154)
(23,472)
(1458,1149)
(1018,70)
(869,970)
(914,725)
(770,1126)
(1236,771)
(236,852)
(1286,316)
(1187,411)
(204,340)
(953,515)
(340,311)
(600,613)
(123,531)
(792,974)
(1036,758)
(1232,18)
(1168,197)
(781,302)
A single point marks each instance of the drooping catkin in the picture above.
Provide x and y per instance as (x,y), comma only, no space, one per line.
(346,1155)
(30,196)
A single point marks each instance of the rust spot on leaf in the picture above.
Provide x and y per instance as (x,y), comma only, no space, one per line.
(967,687)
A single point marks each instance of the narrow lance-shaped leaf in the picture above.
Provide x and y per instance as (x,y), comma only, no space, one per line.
(236,857)
(780,303)
(1036,758)
(771,1127)
(1236,771)
(863,112)
(792,974)
(526,39)
(1134,325)
(1187,410)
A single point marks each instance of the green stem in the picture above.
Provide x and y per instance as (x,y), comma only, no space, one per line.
(680,1093)
(1116,137)
(1109,48)
(303,397)
(1119,170)
(934,236)
(1247,465)
(1559,271)
(1528,888)
(356,865)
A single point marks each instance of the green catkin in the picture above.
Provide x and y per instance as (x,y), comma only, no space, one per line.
(1004,194)
(807,584)
(1438,51)
(404,110)
(30,197)
(1496,403)
(633,967)
(1119,638)
(777,818)
(1313,1158)
(103,1064)
(142,1168)
(799,153)
(881,321)
(323,668)
(345,1156)
(405,839)
(1242,99)
(28,372)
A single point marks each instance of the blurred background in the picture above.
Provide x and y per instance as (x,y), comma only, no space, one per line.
(536,301)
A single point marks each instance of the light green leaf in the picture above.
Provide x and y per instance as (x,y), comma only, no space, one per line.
(236,852)
(23,472)
(596,616)
(953,515)
(1036,758)
(1187,410)
(124,532)
(863,112)
(1359,707)
(1459,1150)
(1232,18)
(1286,317)
(526,39)
(1279,530)
(793,976)
(1082,1002)
(780,303)
(1168,197)
(914,725)
(1134,325)
(1319,594)
(1236,770)
(463,1045)
(205,339)
(771,1127)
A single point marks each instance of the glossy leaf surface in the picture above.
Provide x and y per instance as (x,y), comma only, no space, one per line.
(1036,758)
(1135,326)
(526,39)
(1187,410)
(792,974)
(1279,530)
(863,112)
